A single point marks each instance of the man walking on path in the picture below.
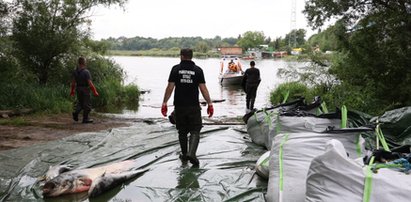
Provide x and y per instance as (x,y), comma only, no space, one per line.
(82,84)
(187,78)
(250,83)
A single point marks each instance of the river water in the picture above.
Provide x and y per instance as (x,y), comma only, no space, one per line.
(151,74)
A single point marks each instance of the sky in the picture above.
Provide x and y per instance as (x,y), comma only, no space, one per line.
(192,18)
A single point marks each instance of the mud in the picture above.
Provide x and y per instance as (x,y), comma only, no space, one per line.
(34,129)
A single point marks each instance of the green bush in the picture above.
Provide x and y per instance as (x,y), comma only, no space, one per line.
(131,94)
(114,97)
(293,89)
(354,97)
(361,98)
(49,99)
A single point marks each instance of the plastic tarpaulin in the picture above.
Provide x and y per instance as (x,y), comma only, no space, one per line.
(396,126)
(226,173)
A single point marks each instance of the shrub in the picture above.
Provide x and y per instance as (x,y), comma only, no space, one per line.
(293,89)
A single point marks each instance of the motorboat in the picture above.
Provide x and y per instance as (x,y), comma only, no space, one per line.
(231,78)
(231,72)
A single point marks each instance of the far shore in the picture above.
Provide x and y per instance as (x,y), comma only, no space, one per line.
(176,54)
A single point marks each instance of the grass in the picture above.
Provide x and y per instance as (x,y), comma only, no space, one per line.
(56,99)
(290,90)
(16,121)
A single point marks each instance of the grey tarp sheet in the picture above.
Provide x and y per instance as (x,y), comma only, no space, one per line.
(227,160)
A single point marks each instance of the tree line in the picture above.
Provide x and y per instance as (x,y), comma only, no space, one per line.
(247,40)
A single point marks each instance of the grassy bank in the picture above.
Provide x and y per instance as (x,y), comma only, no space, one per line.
(55,99)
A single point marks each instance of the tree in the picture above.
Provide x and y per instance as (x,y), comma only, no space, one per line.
(3,18)
(202,47)
(267,40)
(46,31)
(328,39)
(299,38)
(9,68)
(375,46)
(276,44)
(251,40)
(230,41)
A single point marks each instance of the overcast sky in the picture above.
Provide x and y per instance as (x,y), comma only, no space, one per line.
(190,18)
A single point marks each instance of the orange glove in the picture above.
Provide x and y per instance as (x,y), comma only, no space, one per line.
(73,86)
(164,109)
(210,111)
(93,88)
(95,93)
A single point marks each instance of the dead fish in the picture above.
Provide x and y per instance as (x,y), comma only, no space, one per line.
(94,180)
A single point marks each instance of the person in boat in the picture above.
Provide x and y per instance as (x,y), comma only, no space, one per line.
(187,78)
(250,82)
(234,67)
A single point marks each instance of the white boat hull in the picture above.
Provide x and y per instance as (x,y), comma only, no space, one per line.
(231,78)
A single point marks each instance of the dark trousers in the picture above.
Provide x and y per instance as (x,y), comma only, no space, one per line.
(83,102)
(188,120)
(251,91)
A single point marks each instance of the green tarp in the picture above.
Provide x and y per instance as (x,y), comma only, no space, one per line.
(396,126)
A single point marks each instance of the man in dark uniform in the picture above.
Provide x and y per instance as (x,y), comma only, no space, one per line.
(82,84)
(187,78)
(250,83)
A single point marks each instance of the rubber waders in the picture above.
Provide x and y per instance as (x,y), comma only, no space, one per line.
(182,138)
(192,149)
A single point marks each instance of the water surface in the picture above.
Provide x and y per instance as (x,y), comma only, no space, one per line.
(151,74)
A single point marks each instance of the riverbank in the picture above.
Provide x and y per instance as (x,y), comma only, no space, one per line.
(23,131)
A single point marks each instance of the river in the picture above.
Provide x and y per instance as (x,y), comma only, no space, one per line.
(151,74)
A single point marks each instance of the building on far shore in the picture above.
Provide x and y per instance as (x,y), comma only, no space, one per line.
(233,50)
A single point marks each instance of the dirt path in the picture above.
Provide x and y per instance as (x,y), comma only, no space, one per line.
(26,130)
(33,129)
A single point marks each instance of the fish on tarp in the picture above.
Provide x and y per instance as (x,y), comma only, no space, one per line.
(61,179)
